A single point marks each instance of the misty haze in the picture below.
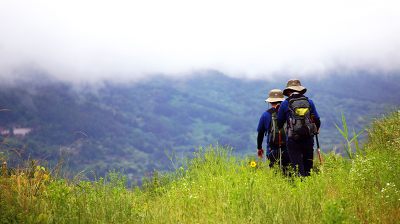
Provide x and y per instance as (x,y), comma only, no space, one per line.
(92,89)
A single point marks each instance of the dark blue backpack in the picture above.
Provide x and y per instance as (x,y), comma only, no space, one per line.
(300,124)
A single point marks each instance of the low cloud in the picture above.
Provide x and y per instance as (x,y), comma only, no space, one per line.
(129,40)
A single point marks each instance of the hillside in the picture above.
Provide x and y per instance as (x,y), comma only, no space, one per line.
(218,187)
(135,127)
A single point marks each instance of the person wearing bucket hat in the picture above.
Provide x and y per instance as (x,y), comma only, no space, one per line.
(303,122)
(267,125)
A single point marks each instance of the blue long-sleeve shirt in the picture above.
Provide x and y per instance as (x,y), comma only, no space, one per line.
(283,112)
(264,125)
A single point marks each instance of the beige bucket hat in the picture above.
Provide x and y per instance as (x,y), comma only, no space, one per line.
(275,95)
(294,85)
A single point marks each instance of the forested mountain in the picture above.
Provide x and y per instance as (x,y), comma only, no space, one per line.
(136,126)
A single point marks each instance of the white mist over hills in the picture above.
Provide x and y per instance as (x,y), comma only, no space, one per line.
(130,40)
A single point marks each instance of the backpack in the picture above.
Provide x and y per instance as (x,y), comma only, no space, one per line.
(273,139)
(300,125)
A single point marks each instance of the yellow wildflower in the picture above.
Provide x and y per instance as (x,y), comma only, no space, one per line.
(253,164)
(45,177)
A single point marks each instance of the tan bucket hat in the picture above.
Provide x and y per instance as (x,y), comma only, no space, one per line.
(294,85)
(275,95)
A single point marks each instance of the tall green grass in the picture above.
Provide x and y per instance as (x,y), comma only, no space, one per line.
(217,187)
(350,141)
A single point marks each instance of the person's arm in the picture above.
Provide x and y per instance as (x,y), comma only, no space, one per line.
(314,112)
(260,139)
(282,114)
(262,128)
(261,132)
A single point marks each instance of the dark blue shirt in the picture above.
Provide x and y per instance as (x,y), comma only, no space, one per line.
(265,122)
(264,127)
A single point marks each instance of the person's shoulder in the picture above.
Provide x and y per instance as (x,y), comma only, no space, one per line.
(310,100)
(266,114)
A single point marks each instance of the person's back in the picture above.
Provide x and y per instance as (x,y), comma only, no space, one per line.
(303,122)
(268,125)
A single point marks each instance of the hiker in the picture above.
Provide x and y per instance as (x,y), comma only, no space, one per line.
(276,147)
(302,122)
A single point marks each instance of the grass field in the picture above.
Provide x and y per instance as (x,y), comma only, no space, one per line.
(217,187)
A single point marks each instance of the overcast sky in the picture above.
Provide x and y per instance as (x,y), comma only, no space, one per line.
(92,40)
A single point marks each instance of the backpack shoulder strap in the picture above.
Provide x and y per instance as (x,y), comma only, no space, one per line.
(272,111)
(273,125)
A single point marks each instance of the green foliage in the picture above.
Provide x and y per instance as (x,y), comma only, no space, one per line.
(384,134)
(217,187)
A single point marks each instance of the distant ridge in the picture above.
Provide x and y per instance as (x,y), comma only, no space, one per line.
(134,126)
